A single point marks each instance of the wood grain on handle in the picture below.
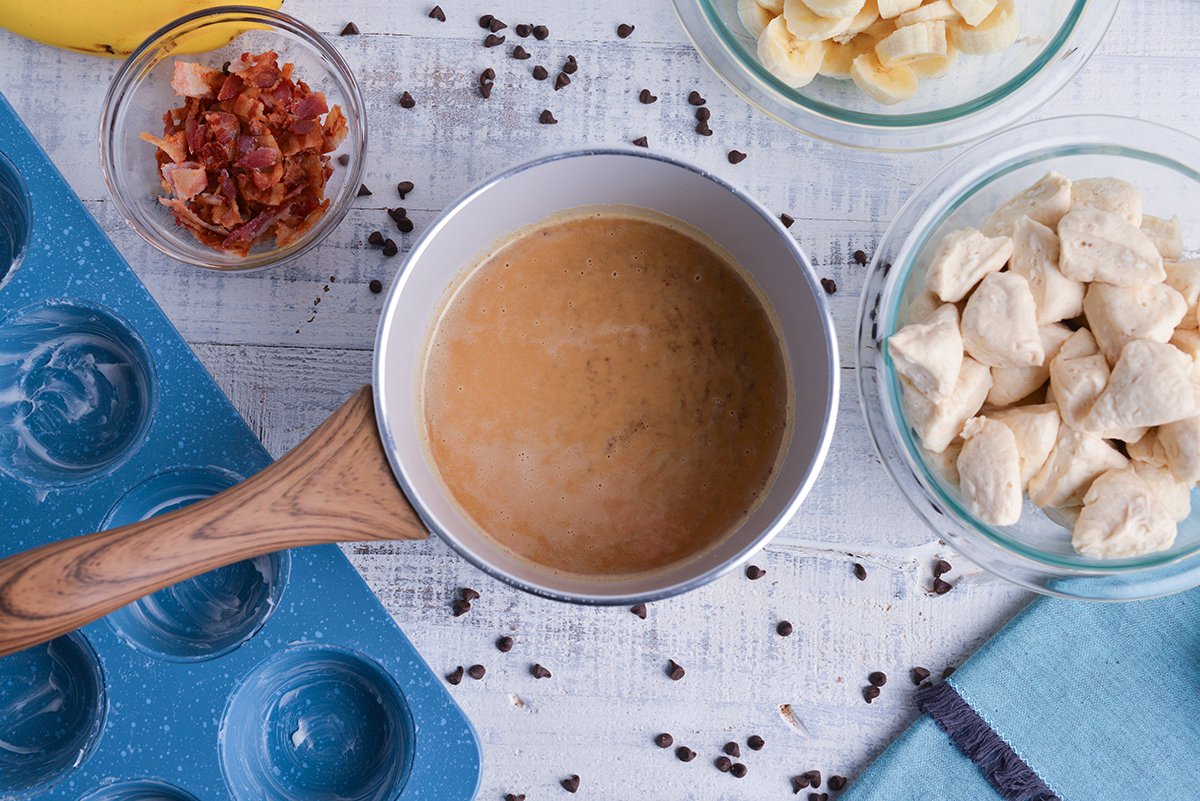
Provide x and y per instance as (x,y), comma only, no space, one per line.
(335,486)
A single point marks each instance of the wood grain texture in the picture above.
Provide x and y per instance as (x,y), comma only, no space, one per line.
(287,362)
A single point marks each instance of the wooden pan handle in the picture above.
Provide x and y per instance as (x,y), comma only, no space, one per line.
(335,486)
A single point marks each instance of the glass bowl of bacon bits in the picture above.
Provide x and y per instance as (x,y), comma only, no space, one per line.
(234,138)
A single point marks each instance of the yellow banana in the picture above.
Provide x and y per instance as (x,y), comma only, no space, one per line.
(112,29)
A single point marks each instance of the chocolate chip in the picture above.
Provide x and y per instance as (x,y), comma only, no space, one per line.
(514,797)
(406,101)
(695,99)
(440,16)
(344,159)
(376,238)
(389,250)
(787,220)
(540,73)
(685,754)
(941,587)
(504,644)
(818,797)
(723,763)
(837,782)
(784,629)
(546,118)
(860,257)
(405,225)
(736,157)
(870,692)
(496,25)
(640,609)
(703,113)
(572,66)
(485,90)
(350,30)
(674,670)
(225,67)
(363,191)
(493,40)
(878,678)
(624,30)
(941,568)
(733,749)
(860,572)
(919,674)
(520,53)
(755,742)
(814,778)
(948,672)
(738,770)
(461,608)
(486,20)
(799,783)
(456,676)
(376,286)
(703,128)
(642,141)
(754,572)
(664,740)
(571,785)
(476,672)
(523,30)
(540,672)
(540,32)
(925,685)
(829,285)
(468,594)
(404,187)
(561,81)
(487,75)
(646,97)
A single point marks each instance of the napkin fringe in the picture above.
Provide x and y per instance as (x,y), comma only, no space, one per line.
(1001,766)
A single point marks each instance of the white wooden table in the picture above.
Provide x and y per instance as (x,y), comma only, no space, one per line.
(287,362)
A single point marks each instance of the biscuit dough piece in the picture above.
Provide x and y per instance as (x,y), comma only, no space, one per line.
(929,354)
(1078,374)
(1148,449)
(1184,278)
(1045,202)
(1188,341)
(1011,384)
(938,423)
(1074,463)
(1181,446)
(961,261)
(999,325)
(922,306)
(1035,258)
(946,462)
(1035,429)
(1122,516)
(1121,314)
(1176,495)
(989,470)
(1109,194)
(1150,385)
(1098,246)
(1165,234)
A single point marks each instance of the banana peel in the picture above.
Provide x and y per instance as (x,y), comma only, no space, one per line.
(114,29)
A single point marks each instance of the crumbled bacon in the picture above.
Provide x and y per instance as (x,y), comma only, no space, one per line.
(246,157)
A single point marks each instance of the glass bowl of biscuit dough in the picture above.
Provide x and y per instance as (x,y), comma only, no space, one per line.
(1141,537)
(1016,56)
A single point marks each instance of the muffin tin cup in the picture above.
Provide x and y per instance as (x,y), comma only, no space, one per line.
(16,212)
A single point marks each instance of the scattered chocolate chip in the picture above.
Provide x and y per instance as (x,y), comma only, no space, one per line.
(674,670)
(440,16)
(461,608)
(520,53)
(487,75)
(860,572)
(941,586)
(784,629)
(496,25)
(754,572)
(486,20)
(376,238)
(572,66)
(703,113)
(703,128)
(878,678)
(624,30)
(540,73)
(925,685)
(695,99)
(485,90)
(546,118)
(941,568)
(514,797)
(799,783)
(640,609)
(561,81)
(523,30)
(837,782)
(646,97)
(493,40)
(755,742)
(733,749)
(406,101)
(664,740)
(225,67)
(397,214)
(456,676)
(350,30)
(404,187)
(948,672)
(861,258)
(504,644)
(870,692)
(344,159)
(540,672)
(919,674)
(376,286)
(723,763)
(405,225)
(571,785)
(738,770)
(787,220)
(829,285)
(818,797)
(642,141)
(540,32)
(685,754)
(736,157)
(389,250)
(468,594)
(476,672)
(814,778)
(363,191)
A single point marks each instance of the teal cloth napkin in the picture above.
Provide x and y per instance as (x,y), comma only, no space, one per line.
(1072,700)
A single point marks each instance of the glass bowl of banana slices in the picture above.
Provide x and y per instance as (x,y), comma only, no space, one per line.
(896,75)
(1028,347)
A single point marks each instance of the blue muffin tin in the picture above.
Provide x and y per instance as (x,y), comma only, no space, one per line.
(281,677)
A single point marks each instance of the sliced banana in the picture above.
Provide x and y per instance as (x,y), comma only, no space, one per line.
(974,11)
(938,9)
(791,60)
(913,43)
(864,18)
(835,9)
(929,69)
(889,9)
(839,58)
(999,30)
(804,23)
(887,86)
(774,6)
(754,17)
